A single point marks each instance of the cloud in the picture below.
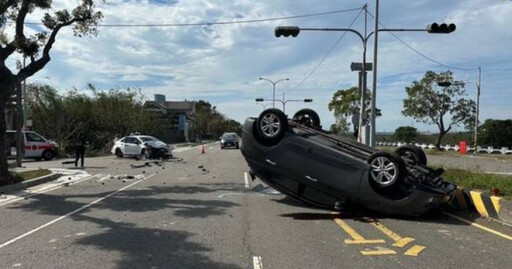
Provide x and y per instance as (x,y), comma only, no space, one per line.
(222,63)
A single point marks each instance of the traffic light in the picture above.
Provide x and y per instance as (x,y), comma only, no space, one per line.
(442,28)
(308,100)
(287,31)
(259,99)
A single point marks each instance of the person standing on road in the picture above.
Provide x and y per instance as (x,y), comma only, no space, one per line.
(80,150)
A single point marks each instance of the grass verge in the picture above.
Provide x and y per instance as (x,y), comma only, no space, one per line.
(480,181)
(28,175)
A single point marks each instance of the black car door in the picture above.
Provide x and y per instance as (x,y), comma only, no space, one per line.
(288,160)
(331,170)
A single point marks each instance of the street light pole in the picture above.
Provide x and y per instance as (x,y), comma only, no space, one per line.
(374,82)
(478,86)
(274,88)
(283,102)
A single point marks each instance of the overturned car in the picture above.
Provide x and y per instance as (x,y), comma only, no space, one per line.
(298,158)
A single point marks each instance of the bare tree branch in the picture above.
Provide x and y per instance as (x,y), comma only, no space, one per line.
(35,66)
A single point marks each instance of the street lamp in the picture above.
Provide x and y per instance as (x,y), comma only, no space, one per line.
(274,88)
(478,87)
(307,100)
(433,28)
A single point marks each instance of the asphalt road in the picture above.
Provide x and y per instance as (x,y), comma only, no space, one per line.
(179,216)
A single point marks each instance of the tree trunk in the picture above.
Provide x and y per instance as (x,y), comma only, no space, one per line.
(439,138)
(5,177)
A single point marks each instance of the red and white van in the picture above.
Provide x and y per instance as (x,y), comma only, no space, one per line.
(36,146)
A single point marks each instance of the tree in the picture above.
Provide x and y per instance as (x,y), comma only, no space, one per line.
(101,116)
(345,104)
(496,133)
(210,123)
(429,103)
(36,48)
(405,133)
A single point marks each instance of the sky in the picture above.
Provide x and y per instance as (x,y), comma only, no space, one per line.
(223,63)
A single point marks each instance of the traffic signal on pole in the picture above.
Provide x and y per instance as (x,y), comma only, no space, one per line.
(308,100)
(287,31)
(259,99)
(442,28)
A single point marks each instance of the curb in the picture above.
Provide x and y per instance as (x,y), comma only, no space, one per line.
(487,206)
(30,183)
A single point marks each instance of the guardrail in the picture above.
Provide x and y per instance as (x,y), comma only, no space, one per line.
(489,150)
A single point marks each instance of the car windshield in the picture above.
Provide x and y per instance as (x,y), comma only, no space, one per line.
(229,136)
(147,138)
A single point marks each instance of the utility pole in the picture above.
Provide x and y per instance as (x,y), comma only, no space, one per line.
(479,85)
(24,97)
(362,78)
(19,134)
(374,82)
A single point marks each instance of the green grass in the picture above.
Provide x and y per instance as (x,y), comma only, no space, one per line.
(480,181)
(28,175)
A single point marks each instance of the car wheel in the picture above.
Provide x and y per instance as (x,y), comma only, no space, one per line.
(146,153)
(386,169)
(412,155)
(271,126)
(307,117)
(119,153)
(48,155)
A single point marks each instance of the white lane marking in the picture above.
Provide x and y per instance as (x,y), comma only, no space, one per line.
(103,178)
(256,262)
(44,189)
(71,213)
(247,182)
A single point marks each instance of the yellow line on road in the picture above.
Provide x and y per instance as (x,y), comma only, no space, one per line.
(480,226)
(356,237)
(399,241)
(402,242)
(414,251)
(380,251)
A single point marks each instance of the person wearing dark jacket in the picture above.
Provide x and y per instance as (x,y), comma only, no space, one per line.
(80,150)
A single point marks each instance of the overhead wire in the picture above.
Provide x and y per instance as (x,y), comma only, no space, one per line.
(216,23)
(326,55)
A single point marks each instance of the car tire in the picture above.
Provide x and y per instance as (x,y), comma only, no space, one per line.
(387,169)
(412,155)
(119,153)
(146,153)
(271,126)
(308,117)
(48,155)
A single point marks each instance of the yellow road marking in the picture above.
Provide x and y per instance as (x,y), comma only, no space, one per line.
(365,241)
(356,237)
(496,203)
(402,242)
(399,241)
(479,204)
(414,251)
(380,251)
(480,226)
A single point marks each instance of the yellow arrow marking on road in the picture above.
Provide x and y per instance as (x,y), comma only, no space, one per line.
(399,241)
(379,251)
(414,251)
(356,237)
